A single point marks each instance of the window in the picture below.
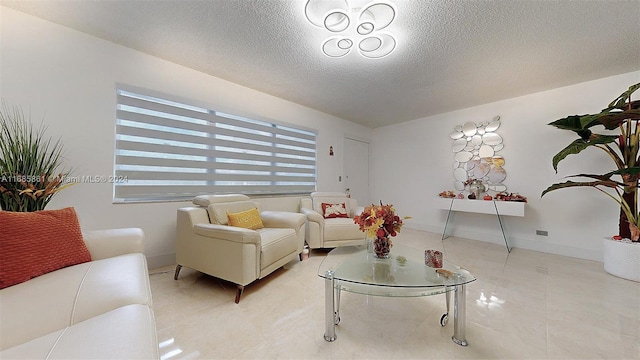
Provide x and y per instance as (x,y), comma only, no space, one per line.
(167,150)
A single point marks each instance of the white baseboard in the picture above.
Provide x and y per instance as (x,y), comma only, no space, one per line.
(515,242)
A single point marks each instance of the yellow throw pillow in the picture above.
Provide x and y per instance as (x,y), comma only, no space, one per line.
(249,219)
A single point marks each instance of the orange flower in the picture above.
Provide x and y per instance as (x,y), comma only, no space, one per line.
(379,221)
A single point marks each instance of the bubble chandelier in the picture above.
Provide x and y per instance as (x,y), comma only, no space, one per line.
(354,28)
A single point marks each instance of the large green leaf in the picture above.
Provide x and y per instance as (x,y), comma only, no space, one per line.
(568,184)
(631,171)
(579,144)
(612,119)
(620,101)
(621,109)
(605,178)
(633,181)
(573,123)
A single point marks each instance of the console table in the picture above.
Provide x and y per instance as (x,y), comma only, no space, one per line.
(493,207)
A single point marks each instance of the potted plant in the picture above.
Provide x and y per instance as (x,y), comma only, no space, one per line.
(30,164)
(621,183)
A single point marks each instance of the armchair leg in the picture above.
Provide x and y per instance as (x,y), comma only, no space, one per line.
(175,275)
(239,293)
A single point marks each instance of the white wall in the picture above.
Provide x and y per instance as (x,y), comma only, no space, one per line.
(67,80)
(416,161)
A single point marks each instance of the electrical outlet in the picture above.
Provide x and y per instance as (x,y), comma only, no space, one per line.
(542,232)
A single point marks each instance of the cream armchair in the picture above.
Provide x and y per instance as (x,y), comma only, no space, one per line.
(207,243)
(330,232)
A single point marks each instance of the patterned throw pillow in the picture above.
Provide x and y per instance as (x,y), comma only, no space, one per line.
(334,211)
(249,219)
(39,242)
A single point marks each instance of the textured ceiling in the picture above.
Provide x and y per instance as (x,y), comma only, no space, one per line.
(450,54)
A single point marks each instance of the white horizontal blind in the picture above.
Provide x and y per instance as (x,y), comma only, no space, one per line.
(166,150)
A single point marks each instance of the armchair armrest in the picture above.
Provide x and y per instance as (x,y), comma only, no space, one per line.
(358,210)
(228,233)
(104,244)
(282,219)
(313,216)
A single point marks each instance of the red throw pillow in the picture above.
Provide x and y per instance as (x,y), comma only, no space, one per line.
(35,243)
(334,211)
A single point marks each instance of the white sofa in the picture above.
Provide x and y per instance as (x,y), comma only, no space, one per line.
(333,232)
(101,309)
(207,243)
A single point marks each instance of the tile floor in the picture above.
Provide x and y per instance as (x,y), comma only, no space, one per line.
(524,305)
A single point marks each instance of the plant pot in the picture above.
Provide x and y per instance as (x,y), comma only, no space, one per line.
(622,258)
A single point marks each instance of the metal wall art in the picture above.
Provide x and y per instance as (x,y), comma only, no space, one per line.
(475,148)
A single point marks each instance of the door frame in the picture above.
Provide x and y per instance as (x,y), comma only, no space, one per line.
(344,162)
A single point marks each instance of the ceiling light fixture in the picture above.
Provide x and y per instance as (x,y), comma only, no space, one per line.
(353,25)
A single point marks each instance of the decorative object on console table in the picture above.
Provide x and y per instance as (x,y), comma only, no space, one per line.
(620,184)
(380,223)
(447,194)
(29,164)
(476,188)
(503,196)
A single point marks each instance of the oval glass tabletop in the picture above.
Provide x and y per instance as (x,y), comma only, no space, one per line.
(404,273)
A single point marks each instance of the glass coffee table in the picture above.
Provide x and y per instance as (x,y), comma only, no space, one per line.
(403,274)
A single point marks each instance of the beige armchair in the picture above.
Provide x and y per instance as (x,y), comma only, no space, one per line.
(331,232)
(207,243)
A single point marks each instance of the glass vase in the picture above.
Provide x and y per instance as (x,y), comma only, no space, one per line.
(477,188)
(382,247)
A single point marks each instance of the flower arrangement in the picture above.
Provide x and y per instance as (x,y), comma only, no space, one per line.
(380,222)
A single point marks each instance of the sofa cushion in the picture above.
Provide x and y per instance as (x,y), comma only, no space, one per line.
(341,229)
(36,243)
(218,212)
(127,332)
(249,219)
(330,211)
(276,244)
(65,297)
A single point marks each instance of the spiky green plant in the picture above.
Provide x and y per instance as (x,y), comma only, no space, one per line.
(30,163)
(620,184)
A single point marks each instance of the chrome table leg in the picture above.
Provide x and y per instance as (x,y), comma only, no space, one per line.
(329,307)
(444,320)
(459,309)
(336,317)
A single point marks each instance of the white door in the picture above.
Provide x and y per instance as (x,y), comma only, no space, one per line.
(356,169)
